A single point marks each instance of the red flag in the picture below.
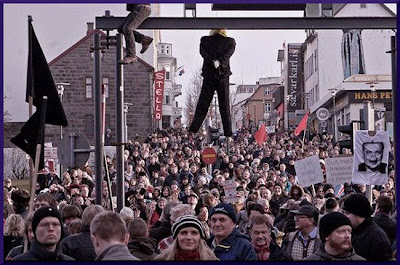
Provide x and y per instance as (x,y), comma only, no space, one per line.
(302,125)
(261,135)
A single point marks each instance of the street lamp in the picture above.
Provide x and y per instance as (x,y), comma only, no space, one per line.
(333,92)
(372,87)
(126,108)
(60,90)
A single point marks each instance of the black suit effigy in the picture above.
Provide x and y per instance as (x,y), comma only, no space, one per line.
(216,47)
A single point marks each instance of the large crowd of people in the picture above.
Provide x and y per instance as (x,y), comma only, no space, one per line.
(176,208)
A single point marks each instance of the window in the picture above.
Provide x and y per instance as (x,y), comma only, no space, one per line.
(89,90)
(105,84)
(316,59)
(268,107)
(316,93)
(167,98)
(267,91)
(166,121)
(363,5)
(167,77)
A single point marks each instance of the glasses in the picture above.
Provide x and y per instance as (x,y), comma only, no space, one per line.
(297,217)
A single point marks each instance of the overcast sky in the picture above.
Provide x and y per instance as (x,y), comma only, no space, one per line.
(59,26)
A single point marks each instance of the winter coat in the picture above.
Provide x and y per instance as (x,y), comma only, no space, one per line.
(370,242)
(236,246)
(144,248)
(10,242)
(321,255)
(159,232)
(116,252)
(387,224)
(79,246)
(38,252)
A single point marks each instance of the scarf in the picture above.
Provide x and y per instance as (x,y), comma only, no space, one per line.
(187,255)
(263,251)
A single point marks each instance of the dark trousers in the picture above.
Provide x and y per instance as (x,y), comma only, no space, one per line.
(206,96)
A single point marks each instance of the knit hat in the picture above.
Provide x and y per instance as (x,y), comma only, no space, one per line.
(187,221)
(330,222)
(43,212)
(328,186)
(358,204)
(224,208)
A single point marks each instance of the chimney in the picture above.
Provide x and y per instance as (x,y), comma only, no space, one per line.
(90,27)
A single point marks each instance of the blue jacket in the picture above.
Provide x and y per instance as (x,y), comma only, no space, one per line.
(236,246)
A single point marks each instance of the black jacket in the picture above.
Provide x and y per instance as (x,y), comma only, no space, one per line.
(387,224)
(277,254)
(160,231)
(143,248)
(38,252)
(79,246)
(216,47)
(371,242)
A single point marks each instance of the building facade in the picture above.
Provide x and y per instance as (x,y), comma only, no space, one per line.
(337,64)
(171,111)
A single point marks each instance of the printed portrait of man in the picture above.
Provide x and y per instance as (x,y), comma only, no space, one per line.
(371,155)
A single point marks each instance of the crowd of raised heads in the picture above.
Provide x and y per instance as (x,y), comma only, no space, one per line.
(176,207)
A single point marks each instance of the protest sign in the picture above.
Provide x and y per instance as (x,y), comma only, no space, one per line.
(339,170)
(230,191)
(308,171)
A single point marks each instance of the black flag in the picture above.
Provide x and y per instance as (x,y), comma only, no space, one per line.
(39,83)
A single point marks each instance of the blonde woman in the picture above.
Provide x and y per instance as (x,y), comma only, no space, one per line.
(13,232)
(189,241)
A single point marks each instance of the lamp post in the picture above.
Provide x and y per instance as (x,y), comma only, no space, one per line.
(215,110)
(60,90)
(126,108)
(286,117)
(333,92)
(306,108)
(372,87)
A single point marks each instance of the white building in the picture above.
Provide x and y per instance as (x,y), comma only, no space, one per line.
(344,62)
(171,112)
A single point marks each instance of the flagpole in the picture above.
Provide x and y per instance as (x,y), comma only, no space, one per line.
(30,99)
(40,142)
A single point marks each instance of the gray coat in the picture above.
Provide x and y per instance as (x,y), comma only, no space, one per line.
(116,252)
(322,255)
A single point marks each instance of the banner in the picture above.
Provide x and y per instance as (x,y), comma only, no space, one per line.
(339,170)
(308,171)
(294,77)
(158,93)
(371,157)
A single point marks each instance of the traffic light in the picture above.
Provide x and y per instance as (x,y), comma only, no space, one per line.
(213,135)
(348,130)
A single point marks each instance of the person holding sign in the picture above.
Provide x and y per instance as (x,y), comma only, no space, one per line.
(371,156)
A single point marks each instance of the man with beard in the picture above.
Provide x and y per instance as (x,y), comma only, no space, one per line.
(335,233)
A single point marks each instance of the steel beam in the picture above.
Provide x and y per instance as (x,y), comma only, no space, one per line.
(258,7)
(111,23)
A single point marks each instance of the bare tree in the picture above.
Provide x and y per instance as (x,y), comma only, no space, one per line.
(15,164)
(192,95)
